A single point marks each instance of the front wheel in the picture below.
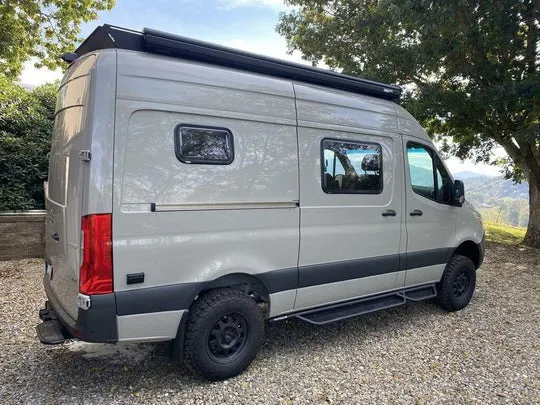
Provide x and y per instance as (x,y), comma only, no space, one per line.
(224,332)
(457,284)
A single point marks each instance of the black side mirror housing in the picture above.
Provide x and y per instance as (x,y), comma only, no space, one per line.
(458,193)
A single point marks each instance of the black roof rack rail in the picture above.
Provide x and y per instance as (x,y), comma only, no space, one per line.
(158,42)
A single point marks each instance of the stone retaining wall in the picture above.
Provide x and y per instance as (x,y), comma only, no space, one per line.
(22,235)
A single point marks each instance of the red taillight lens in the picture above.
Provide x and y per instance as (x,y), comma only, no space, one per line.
(96,275)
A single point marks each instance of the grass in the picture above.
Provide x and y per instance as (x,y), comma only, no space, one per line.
(509,235)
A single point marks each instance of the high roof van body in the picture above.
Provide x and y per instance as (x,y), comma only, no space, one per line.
(195,191)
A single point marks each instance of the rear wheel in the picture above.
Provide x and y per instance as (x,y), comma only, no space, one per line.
(224,332)
(457,285)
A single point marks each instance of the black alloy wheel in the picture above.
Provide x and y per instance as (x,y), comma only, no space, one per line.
(456,288)
(223,334)
(460,284)
(227,337)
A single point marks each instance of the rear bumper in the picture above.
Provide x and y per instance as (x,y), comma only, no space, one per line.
(96,324)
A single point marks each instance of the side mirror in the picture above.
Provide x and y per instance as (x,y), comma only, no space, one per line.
(458,193)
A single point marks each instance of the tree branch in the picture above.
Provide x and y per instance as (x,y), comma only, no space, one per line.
(510,148)
(532,37)
(522,155)
(51,24)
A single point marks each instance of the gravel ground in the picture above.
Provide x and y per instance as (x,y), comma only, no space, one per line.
(487,353)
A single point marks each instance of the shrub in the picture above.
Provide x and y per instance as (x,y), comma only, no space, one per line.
(26,123)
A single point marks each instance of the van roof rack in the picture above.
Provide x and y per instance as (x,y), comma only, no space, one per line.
(163,43)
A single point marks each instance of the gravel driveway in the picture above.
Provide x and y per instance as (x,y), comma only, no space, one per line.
(487,353)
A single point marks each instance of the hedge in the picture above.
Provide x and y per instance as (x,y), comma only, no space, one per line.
(26,124)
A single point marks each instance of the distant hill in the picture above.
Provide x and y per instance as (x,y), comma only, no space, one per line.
(494,187)
(468,175)
(498,200)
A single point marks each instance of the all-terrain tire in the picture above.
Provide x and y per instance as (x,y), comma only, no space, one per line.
(456,287)
(224,332)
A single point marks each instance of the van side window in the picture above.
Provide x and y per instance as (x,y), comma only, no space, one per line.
(204,145)
(351,167)
(429,178)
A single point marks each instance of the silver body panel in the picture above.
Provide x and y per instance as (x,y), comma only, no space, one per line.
(84,120)
(182,224)
(150,327)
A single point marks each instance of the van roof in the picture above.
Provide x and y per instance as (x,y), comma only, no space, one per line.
(158,42)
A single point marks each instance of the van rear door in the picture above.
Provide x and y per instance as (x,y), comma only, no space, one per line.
(65,187)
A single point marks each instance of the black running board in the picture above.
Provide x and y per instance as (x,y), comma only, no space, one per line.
(350,309)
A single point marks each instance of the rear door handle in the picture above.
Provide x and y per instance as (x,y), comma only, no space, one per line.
(389,213)
(416,213)
(55,236)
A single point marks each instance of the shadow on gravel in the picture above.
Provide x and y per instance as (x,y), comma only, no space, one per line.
(80,367)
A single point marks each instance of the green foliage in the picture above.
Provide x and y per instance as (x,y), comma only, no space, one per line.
(507,212)
(470,68)
(487,190)
(499,200)
(43,29)
(508,235)
(26,123)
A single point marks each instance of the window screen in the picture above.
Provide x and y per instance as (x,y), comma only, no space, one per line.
(204,145)
(351,167)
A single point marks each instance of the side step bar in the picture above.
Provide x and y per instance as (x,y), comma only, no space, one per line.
(346,310)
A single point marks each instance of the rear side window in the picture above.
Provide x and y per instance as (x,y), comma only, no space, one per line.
(203,145)
(351,167)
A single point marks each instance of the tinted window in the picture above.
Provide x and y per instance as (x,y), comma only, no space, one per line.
(351,167)
(443,182)
(421,170)
(429,178)
(194,144)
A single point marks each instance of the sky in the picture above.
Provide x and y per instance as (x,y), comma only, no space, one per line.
(244,24)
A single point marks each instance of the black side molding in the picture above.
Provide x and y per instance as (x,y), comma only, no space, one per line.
(180,296)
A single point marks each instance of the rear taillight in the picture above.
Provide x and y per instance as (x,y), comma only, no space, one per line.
(96,274)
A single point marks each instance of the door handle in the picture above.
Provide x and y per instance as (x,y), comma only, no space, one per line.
(416,213)
(55,236)
(389,213)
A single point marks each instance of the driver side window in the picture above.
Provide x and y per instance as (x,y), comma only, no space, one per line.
(428,176)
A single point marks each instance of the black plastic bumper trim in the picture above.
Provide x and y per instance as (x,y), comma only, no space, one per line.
(157,299)
(96,324)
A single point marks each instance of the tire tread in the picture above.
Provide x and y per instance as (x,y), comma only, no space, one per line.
(198,314)
(445,297)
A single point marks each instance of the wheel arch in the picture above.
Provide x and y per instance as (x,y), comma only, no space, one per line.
(248,283)
(471,250)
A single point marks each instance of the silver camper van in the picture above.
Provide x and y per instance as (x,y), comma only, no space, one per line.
(196,192)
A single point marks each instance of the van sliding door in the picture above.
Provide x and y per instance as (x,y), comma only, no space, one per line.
(351,216)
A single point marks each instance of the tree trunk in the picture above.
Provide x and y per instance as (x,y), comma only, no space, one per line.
(532,237)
